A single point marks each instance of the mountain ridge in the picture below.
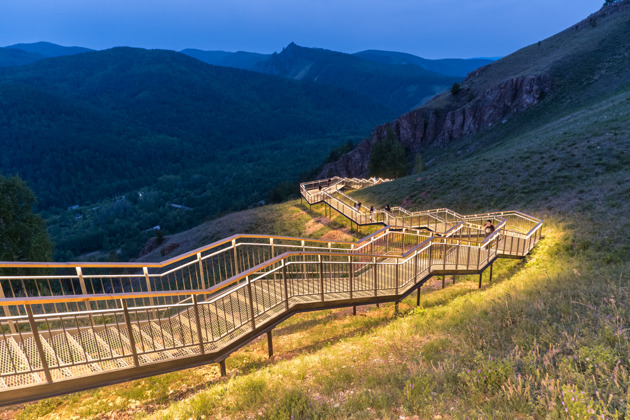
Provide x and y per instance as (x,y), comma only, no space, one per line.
(547,72)
(399,87)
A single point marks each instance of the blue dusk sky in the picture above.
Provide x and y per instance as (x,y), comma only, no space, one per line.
(427,28)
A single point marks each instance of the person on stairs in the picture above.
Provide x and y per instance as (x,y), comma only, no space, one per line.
(489,228)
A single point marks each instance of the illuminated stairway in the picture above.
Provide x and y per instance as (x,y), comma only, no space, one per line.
(73,326)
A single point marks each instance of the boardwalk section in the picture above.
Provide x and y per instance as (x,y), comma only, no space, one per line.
(71,326)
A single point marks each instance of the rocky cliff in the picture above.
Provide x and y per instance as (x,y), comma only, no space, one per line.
(574,60)
(453,118)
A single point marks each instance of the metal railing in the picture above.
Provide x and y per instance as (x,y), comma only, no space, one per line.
(67,326)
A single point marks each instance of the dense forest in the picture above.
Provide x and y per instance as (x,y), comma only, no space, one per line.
(117,142)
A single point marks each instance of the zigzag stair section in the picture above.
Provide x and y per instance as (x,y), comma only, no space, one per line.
(72,326)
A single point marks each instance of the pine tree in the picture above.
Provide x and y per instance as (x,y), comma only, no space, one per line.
(388,158)
(23,234)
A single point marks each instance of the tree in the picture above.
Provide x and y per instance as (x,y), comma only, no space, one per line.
(388,158)
(419,164)
(609,2)
(23,234)
(455,89)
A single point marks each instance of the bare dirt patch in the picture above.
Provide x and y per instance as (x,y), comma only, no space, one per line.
(337,235)
(315,225)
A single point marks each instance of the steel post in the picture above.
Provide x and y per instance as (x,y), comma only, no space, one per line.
(198,322)
(132,340)
(251,302)
(269,343)
(38,343)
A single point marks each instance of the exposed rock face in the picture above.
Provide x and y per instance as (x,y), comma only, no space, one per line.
(438,126)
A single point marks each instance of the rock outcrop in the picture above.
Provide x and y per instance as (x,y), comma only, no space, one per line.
(438,125)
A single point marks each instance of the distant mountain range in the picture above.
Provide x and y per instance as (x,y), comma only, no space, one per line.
(396,80)
(20,54)
(455,67)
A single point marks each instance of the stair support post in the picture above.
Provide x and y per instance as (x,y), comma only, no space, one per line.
(270,343)
(350,276)
(458,245)
(272,254)
(132,340)
(147,280)
(83,288)
(198,323)
(321,276)
(202,278)
(375,277)
(284,281)
(251,302)
(444,255)
(397,278)
(303,264)
(468,254)
(38,343)
(235,257)
(415,267)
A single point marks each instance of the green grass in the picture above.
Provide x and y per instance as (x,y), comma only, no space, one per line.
(548,330)
(548,338)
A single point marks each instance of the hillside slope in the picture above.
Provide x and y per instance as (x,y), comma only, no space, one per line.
(240,59)
(549,334)
(48,49)
(19,54)
(548,338)
(579,65)
(15,57)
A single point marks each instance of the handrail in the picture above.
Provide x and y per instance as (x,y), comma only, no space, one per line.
(198,307)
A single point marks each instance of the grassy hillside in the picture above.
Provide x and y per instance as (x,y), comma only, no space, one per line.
(548,338)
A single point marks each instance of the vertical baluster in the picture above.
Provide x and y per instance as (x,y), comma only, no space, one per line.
(251,302)
(198,323)
(321,276)
(350,274)
(202,277)
(235,257)
(375,268)
(284,280)
(397,274)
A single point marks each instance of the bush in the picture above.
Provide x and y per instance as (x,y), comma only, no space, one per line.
(388,158)
(419,164)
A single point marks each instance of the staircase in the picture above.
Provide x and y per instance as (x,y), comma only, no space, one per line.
(72,326)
